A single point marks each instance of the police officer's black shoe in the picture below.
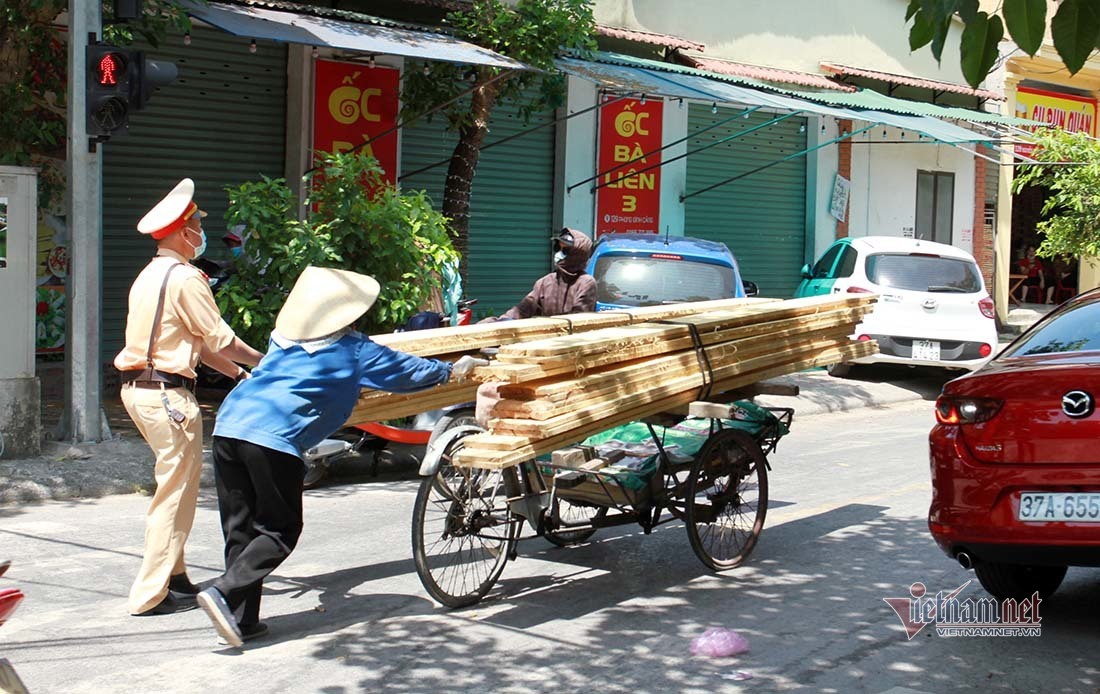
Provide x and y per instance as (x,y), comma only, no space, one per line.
(180,583)
(171,604)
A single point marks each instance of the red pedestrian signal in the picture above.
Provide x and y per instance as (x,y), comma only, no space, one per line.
(111,67)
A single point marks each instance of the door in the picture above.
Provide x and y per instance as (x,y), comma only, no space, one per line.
(935,205)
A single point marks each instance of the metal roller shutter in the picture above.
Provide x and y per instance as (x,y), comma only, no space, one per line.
(762,217)
(511,206)
(221,123)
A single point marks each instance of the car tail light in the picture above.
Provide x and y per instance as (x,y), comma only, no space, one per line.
(986,307)
(859,290)
(956,410)
(864,338)
(985,350)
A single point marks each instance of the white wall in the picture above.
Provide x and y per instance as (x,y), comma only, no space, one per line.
(884,185)
(576,154)
(792,34)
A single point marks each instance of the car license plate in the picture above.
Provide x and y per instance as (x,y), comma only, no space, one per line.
(1060,506)
(926,349)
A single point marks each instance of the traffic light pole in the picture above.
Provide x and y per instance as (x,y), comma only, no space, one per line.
(83,419)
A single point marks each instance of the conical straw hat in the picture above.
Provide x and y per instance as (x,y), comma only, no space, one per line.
(323,301)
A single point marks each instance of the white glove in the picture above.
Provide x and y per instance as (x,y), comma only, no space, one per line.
(465,365)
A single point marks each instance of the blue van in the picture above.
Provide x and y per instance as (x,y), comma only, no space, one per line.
(648,270)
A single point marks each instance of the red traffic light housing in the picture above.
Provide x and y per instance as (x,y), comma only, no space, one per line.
(120,81)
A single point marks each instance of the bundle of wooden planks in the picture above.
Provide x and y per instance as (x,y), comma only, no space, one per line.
(451,343)
(561,390)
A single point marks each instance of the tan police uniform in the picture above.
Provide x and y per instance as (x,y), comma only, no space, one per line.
(160,400)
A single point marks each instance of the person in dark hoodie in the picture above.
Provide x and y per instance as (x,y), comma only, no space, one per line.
(568,289)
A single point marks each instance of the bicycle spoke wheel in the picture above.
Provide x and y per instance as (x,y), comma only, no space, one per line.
(462,532)
(727,499)
(570,514)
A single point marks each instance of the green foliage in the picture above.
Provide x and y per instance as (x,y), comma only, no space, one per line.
(33,65)
(532,32)
(1026,21)
(355,221)
(1075,30)
(979,45)
(1071,172)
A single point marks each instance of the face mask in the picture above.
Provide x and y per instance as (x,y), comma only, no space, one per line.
(559,256)
(201,247)
(236,251)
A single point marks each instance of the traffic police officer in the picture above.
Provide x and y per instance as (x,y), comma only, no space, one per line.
(172,323)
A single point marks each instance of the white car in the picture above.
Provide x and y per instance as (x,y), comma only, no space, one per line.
(933,307)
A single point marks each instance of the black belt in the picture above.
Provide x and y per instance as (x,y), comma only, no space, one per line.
(152,378)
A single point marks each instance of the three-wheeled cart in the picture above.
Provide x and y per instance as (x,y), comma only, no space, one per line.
(708,469)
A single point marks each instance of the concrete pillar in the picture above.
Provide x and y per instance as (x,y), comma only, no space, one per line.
(1002,240)
(982,246)
(20,394)
(844,168)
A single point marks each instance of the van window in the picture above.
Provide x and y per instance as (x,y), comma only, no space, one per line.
(825,264)
(632,281)
(924,273)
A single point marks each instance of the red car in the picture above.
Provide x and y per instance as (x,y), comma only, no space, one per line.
(1015,457)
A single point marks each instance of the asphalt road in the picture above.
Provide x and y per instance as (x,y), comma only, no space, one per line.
(846,528)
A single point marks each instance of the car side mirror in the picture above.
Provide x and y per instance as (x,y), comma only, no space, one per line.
(750,288)
(806,274)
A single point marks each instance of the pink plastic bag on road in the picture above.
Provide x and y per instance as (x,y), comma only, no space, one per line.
(718,642)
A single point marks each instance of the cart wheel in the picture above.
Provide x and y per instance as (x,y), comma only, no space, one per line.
(462,531)
(727,499)
(572,514)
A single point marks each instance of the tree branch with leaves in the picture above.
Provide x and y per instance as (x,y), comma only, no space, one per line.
(1070,170)
(1074,28)
(532,32)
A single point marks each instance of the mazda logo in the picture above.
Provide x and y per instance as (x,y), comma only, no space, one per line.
(1077,404)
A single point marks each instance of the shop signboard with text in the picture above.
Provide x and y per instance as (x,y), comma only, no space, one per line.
(629,195)
(1066,111)
(354,103)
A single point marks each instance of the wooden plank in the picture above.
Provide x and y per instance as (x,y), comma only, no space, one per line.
(573,394)
(495,459)
(532,368)
(466,338)
(717,354)
(616,338)
(588,411)
(375,405)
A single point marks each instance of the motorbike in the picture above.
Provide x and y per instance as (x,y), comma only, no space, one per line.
(374,438)
(10,598)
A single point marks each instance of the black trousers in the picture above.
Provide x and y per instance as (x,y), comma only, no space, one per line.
(260,501)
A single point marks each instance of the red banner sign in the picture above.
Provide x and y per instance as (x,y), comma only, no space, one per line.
(629,198)
(353,103)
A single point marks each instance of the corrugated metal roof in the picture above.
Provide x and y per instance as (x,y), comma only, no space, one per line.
(642,76)
(870,99)
(317,11)
(864,99)
(259,22)
(649,37)
(768,74)
(909,81)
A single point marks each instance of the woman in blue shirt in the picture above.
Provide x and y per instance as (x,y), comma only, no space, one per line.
(302,391)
